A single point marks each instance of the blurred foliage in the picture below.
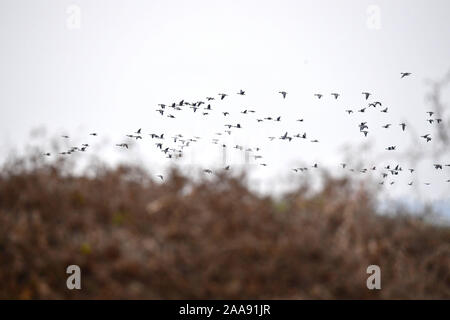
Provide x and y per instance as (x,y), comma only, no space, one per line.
(137,237)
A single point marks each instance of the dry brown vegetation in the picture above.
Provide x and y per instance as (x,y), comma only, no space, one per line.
(134,237)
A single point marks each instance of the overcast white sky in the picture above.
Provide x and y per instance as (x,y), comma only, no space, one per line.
(109,74)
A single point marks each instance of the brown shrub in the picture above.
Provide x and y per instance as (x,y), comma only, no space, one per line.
(136,238)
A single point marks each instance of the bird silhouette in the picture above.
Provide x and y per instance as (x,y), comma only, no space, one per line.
(377,103)
(404,74)
(283,93)
(285,136)
(362,126)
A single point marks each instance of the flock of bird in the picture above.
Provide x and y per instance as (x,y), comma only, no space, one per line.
(162,143)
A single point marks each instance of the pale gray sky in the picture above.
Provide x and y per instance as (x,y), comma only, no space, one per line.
(109,74)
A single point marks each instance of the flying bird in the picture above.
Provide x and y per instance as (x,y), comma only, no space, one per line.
(283,93)
(362,126)
(285,136)
(405,74)
(335,95)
